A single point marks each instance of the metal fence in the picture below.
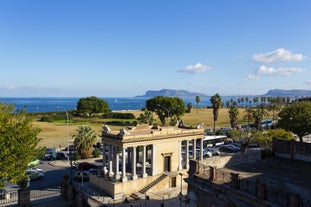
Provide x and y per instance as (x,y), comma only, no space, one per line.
(10,198)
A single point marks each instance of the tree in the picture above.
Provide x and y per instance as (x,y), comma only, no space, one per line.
(90,105)
(146,118)
(166,107)
(233,115)
(216,104)
(296,117)
(248,114)
(189,107)
(259,113)
(198,100)
(18,143)
(84,141)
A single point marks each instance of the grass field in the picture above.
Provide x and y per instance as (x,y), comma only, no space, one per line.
(55,134)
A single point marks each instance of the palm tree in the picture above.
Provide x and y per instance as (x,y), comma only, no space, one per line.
(248,114)
(216,104)
(84,141)
(197,99)
(233,115)
(259,113)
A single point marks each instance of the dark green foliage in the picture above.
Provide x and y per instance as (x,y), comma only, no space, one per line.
(296,117)
(115,115)
(166,107)
(92,105)
(146,118)
(96,152)
(189,107)
(18,143)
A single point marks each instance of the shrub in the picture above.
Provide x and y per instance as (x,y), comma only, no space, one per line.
(96,152)
(115,115)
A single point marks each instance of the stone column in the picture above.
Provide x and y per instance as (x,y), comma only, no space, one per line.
(104,169)
(180,156)
(116,163)
(201,149)
(235,181)
(153,166)
(187,154)
(194,148)
(144,162)
(110,160)
(134,175)
(124,178)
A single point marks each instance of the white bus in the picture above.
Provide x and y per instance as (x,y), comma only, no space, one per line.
(214,140)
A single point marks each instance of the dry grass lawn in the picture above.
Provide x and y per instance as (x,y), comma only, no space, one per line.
(56,134)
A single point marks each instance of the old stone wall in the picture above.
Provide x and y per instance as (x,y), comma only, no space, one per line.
(292,149)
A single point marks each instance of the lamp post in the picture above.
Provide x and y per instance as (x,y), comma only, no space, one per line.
(67,127)
(180,194)
(71,158)
(168,111)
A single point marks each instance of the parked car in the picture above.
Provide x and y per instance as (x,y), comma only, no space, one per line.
(70,148)
(34,174)
(34,162)
(35,169)
(229,148)
(85,166)
(213,150)
(79,175)
(3,194)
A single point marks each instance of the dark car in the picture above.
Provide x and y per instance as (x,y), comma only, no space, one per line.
(85,166)
(3,194)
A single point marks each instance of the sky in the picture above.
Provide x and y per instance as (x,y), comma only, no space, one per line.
(122,48)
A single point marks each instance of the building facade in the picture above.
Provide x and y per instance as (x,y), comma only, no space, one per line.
(146,158)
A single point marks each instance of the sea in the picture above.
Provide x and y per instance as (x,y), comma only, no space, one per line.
(52,104)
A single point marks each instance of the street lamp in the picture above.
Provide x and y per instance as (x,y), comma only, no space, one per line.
(168,111)
(180,194)
(66,126)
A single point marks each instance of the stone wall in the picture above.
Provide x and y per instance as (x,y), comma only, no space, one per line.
(220,187)
(292,149)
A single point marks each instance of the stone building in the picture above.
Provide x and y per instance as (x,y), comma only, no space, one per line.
(246,180)
(146,158)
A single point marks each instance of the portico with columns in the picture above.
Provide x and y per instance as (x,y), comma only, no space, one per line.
(136,156)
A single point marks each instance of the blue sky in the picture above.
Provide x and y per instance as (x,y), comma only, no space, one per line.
(74,48)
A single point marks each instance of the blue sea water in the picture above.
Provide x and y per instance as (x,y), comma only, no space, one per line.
(44,104)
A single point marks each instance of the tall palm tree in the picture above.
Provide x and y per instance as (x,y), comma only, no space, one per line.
(259,113)
(233,115)
(84,141)
(248,114)
(198,100)
(216,104)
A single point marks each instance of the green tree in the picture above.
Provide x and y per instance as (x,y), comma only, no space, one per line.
(92,105)
(166,107)
(198,100)
(189,107)
(233,115)
(84,141)
(216,104)
(259,113)
(296,117)
(248,114)
(146,118)
(18,143)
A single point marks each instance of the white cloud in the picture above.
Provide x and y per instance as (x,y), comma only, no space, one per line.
(8,87)
(276,56)
(264,70)
(251,77)
(197,68)
(308,81)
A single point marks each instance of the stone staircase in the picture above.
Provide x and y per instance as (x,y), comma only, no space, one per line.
(141,193)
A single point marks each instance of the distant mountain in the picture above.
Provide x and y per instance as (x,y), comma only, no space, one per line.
(288,93)
(173,93)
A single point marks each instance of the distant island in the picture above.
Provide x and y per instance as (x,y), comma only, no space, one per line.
(296,93)
(173,93)
(288,93)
